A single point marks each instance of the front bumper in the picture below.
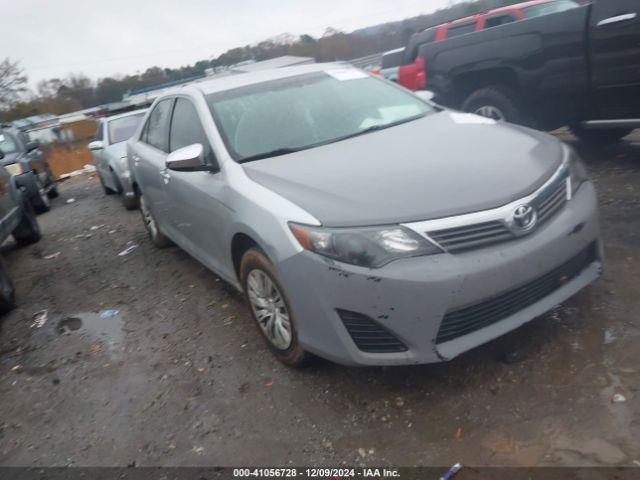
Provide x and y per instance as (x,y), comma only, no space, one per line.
(410,297)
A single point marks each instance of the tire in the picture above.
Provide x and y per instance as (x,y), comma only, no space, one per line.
(159,239)
(53,192)
(28,231)
(130,203)
(107,190)
(40,202)
(499,103)
(599,137)
(7,291)
(254,265)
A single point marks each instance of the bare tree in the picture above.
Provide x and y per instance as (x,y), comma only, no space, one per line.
(12,82)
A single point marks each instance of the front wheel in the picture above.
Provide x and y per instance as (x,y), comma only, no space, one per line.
(270,308)
(158,238)
(7,291)
(599,137)
(496,102)
(28,230)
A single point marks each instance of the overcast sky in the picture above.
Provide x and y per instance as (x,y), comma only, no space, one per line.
(111,37)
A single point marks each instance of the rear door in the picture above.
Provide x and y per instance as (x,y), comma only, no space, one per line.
(149,158)
(615,56)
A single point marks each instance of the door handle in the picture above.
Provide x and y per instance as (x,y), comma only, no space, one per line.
(617,19)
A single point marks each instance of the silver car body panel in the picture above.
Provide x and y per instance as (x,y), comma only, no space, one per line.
(202,212)
(107,160)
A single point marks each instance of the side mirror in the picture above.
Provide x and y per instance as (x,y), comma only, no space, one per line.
(96,145)
(188,159)
(32,145)
(426,95)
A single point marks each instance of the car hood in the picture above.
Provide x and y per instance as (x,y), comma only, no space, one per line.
(442,165)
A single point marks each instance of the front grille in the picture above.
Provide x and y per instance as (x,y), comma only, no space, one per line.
(475,317)
(368,335)
(552,201)
(472,236)
(547,203)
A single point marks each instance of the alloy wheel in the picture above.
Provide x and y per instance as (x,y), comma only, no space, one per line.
(490,111)
(269,309)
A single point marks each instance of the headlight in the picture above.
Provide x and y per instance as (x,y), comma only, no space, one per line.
(14,169)
(370,247)
(577,172)
(124,164)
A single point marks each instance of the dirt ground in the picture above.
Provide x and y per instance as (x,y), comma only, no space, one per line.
(180,376)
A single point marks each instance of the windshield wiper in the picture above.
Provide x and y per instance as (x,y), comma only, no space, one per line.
(272,153)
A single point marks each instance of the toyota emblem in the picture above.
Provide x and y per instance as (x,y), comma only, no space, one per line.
(525,217)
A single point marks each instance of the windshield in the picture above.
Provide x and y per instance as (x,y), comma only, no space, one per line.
(301,112)
(7,144)
(549,8)
(122,128)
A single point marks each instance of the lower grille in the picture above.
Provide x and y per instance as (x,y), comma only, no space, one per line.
(368,335)
(475,317)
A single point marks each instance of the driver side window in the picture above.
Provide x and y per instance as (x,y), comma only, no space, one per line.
(156,130)
(186,129)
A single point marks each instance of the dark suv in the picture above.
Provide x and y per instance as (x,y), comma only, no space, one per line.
(24,160)
(17,218)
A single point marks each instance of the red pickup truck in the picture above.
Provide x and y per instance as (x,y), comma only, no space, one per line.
(408,69)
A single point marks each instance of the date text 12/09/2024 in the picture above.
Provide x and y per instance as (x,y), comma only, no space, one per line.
(316,472)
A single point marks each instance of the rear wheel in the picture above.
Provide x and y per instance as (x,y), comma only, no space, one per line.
(495,102)
(270,308)
(158,238)
(40,202)
(7,291)
(28,230)
(599,137)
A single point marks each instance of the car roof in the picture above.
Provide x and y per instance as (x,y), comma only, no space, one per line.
(126,114)
(230,82)
(519,6)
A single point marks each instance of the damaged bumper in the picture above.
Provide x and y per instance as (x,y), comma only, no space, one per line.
(406,306)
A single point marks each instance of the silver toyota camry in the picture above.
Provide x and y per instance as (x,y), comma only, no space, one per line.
(110,154)
(364,224)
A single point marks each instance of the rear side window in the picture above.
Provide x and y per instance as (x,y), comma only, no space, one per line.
(461,29)
(186,129)
(498,20)
(157,127)
(549,8)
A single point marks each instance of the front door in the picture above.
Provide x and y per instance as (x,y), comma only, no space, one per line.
(198,214)
(615,49)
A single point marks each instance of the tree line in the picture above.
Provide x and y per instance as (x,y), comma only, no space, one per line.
(77,91)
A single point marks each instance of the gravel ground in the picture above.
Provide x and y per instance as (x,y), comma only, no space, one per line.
(180,376)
